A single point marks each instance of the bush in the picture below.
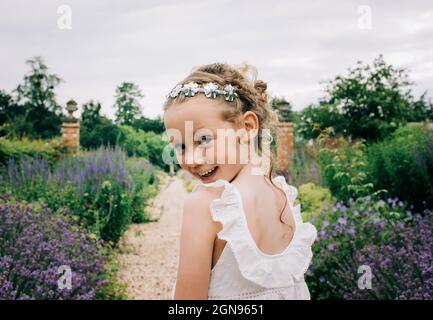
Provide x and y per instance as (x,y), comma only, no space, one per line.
(96,187)
(145,187)
(312,199)
(48,149)
(385,236)
(343,169)
(35,244)
(144,144)
(305,167)
(101,133)
(403,164)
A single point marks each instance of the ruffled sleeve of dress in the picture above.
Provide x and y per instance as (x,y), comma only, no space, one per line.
(268,271)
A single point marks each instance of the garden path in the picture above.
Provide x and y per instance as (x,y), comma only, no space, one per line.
(149,252)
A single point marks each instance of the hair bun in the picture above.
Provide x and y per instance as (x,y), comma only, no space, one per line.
(260,86)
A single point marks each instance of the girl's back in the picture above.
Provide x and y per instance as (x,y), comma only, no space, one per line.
(255,255)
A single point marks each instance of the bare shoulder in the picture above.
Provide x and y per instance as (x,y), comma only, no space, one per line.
(196,208)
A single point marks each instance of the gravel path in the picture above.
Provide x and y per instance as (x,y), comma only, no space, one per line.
(149,258)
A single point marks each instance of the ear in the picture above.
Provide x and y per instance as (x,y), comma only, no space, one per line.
(250,122)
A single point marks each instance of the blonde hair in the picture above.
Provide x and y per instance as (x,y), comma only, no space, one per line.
(252,96)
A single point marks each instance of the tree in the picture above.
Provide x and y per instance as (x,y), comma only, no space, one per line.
(91,113)
(375,99)
(146,124)
(370,102)
(284,109)
(97,130)
(316,118)
(127,104)
(42,113)
(421,109)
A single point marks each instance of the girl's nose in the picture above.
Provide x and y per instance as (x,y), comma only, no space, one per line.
(194,158)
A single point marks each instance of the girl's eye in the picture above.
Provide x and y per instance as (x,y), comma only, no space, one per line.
(179,147)
(205,139)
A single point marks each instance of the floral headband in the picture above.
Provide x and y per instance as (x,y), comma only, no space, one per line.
(210,90)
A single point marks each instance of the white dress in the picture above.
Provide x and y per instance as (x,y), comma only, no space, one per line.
(243,271)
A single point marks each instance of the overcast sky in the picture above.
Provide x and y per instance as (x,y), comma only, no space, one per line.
(294,44)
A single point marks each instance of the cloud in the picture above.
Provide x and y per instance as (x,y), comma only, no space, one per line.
(294,45)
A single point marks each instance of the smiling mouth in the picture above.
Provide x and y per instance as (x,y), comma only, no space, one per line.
(208,173)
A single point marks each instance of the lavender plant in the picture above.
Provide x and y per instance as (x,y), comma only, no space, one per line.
(35,244)
(387,237)
(97,188)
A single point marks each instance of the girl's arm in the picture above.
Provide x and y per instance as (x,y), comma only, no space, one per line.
(196,245)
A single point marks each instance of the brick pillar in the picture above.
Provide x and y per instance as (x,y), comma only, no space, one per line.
(284,145)
(71,135)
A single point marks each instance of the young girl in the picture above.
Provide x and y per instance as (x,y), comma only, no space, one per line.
(241,236)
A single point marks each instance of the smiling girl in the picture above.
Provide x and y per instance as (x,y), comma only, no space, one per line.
(241,236)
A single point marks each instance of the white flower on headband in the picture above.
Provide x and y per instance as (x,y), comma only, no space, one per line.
(190,89)
(211,90)
(229,92)
(173,93)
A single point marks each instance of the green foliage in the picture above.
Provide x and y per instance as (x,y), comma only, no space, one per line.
(370,102)
(305,166)
(144,144)
(99,189)
(112,203)
(113,289)
(145,124)
(283,108)
(146,185)
(343,169)
(314,119)
(313,198)
(127,104)
(91,114)
(403,164)
(14,149)
(97,130)
(421,109)
(39,114)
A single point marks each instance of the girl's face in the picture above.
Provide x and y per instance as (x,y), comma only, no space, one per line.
(206,145)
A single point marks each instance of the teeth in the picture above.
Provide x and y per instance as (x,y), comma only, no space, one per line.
(207,172)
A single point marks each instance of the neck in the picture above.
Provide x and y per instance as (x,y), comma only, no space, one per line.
(247,170)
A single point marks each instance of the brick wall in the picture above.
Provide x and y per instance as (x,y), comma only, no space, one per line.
(284,145)
(71,135)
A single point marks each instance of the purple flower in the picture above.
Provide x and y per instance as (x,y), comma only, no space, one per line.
(342,221)
(35,243)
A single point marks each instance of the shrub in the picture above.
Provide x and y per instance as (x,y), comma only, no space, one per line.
(312,199)
(343,170)
(145,187)
(403,164)
(101,133)
(96,187)
(15,149)
(366,233)
(34,244)
(149,145)
(305,167)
